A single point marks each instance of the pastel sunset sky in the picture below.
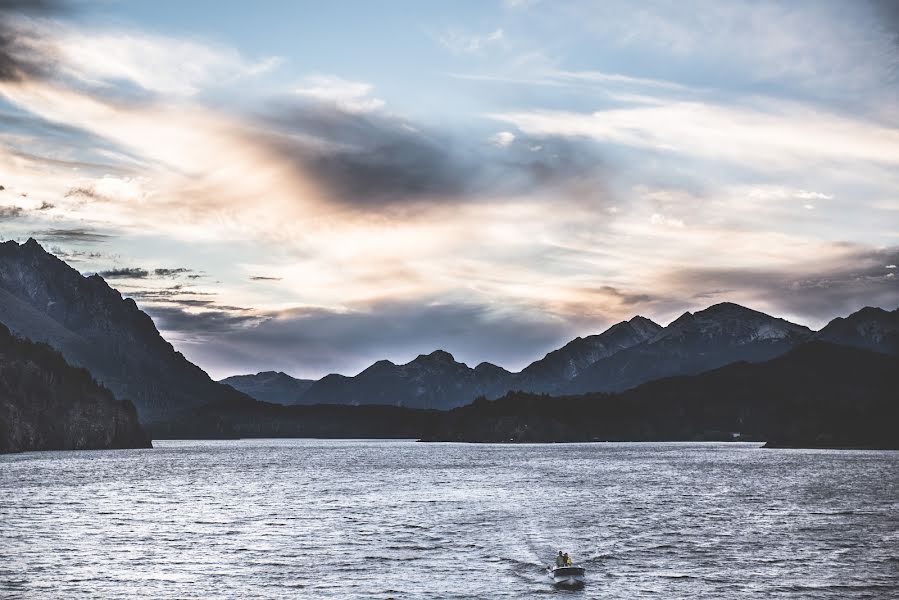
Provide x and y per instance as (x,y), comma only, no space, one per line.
(310,187)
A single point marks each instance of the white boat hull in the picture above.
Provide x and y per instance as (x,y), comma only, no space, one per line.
(567,576)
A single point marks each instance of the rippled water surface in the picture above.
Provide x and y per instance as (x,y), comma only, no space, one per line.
(396,519)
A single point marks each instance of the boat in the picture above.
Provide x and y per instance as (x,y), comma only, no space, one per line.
(567,576)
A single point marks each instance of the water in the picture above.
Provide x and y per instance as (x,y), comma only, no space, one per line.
(397,519)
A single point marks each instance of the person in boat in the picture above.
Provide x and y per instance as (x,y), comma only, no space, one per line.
(560,559)
(566,560)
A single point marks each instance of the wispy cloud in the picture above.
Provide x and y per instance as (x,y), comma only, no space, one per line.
(352,96)
(766,134)
(820,290)
(125,273)
(461,42)
(11,212)
(81,235)
(142,273)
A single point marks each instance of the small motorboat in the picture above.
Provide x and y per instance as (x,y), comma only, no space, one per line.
(567,576)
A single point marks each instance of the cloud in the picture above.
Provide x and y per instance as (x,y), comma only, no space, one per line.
(172,294)
(167,66)
(659,219)
(264,278)
(18,58)
(141,273)
(754,45)
(502,139)
(205,325)
(75,235)
(171,272)
(375,160)
(74,255)
(125,273)
(461,42)
(351,96)
(369,159)
(768,135)
(10,212)
(855,277)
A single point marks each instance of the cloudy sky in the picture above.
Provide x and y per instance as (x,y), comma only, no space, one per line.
(310,188)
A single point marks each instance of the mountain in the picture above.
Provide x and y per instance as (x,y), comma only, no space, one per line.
(44,299)
(560,366)
(816,395)
(870,328)
(270,386)
(46,404)
(433,380)
(693,343)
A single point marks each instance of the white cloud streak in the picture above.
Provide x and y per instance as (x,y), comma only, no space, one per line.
(769,134)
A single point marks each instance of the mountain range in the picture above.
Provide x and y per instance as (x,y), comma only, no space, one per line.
(816,395)
(624,356)
(94,327)
(693,343)
(437,380)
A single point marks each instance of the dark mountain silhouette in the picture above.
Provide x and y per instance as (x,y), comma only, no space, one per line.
(870,328)
(626,355)
(817,395)
(557,368)
(693,343)
(270,386)
(44,299)
(433,380)
(437,381)
(46,404)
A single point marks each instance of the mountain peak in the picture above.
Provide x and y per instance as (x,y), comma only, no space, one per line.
(728,308)
(871,328)
(436,355)
(682,320)
(488,368)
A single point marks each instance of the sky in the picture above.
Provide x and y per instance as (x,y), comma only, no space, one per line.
(310,187)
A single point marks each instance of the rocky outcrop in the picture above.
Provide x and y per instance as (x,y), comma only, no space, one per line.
(46,404)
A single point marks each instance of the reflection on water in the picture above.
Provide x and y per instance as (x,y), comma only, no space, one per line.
(397,519)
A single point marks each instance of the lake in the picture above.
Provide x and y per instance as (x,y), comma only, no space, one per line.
(400,519)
